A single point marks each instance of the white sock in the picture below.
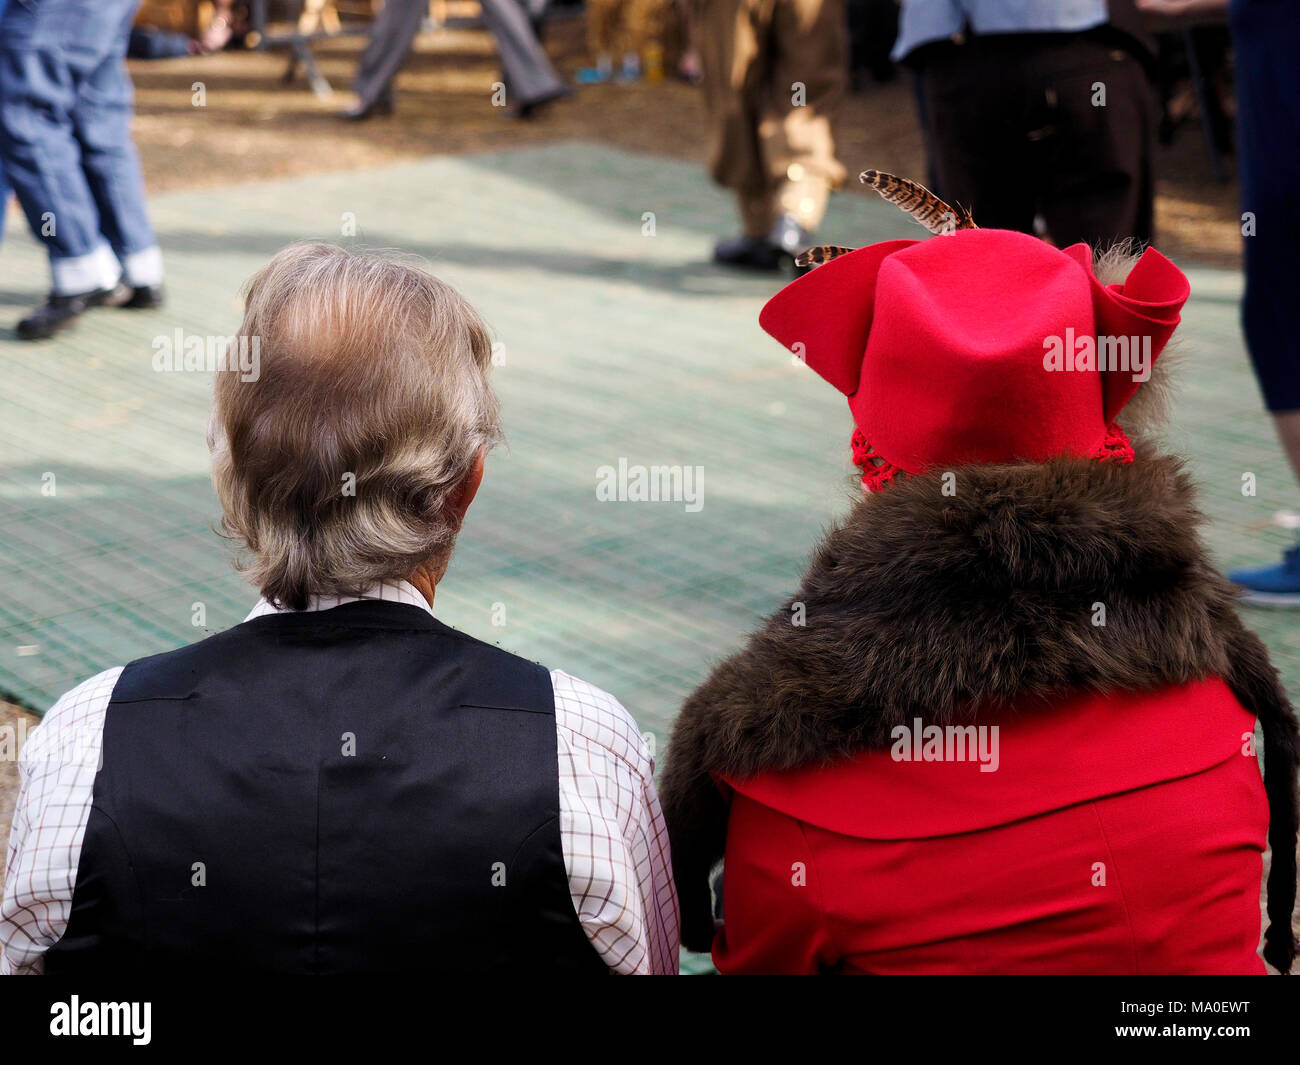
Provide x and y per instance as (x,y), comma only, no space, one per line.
(91,272)
(143,268)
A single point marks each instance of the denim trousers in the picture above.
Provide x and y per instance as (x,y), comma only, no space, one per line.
(4,185)
(65,139)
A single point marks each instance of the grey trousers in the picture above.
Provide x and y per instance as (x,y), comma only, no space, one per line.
(529,76)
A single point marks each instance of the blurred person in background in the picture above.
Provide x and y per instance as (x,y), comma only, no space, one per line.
(341,783)
(688,58)
(873,28)
(1039,109)
(4,185)
(221,28)
(530,79)
(629,32)
(1266,36)
(774,72)
(227,26)
(66,147)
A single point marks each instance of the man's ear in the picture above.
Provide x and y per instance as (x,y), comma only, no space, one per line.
(460,499)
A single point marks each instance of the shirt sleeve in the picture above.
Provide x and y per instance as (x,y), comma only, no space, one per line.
(773,902)
(613,833)
(56,783)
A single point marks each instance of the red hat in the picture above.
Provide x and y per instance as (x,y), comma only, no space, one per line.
(982,345)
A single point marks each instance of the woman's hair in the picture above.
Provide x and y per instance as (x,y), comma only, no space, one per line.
(336,459)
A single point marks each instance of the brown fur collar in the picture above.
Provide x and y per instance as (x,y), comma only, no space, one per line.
(925,604)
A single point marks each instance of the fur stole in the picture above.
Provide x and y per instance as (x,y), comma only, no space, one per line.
(927,605)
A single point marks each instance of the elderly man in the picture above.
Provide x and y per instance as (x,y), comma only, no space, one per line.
(341,783)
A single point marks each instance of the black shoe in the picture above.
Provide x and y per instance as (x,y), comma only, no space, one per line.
(59,312)
(143,298)
(530,108)
(751,253)
(788,235)
(382,106)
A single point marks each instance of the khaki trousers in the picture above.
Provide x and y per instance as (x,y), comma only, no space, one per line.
(774,72)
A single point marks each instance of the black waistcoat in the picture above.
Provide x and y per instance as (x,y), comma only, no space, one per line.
(353,790)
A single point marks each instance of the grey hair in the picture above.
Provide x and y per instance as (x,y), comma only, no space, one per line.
(337,464)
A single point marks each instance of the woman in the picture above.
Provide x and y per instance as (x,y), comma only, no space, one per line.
(341,784)
(1005,725)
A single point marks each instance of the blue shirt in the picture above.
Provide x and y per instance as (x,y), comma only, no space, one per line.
(924,21)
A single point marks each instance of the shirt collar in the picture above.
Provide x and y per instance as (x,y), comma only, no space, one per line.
(385,591)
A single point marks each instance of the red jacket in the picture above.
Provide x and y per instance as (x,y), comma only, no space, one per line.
(1118,834)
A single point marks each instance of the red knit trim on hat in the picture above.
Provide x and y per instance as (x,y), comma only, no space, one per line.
(879,473)
(1117,447)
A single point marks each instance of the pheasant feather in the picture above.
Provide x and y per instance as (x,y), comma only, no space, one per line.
(918,201)
(909,196)
(823,254)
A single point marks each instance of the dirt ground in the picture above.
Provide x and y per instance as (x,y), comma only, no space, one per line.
(254,126)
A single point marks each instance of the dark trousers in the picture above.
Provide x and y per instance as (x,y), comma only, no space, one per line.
(1017,130)
(1267,36)
(529,76)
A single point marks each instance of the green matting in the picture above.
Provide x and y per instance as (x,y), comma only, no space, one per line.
(617,345)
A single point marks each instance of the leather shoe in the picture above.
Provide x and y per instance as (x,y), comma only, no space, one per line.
(788,235)
(751,253)
(530,109)
(144,298)
(59,312)
(384,105)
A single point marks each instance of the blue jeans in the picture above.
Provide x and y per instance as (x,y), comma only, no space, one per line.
(4,185)
(65,139)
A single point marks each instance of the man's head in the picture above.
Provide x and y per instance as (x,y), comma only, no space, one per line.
(353,455)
